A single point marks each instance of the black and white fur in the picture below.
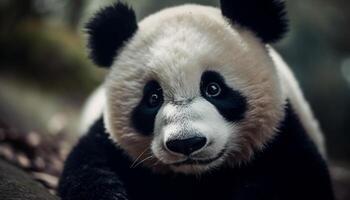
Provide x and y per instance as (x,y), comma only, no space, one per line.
(159,133)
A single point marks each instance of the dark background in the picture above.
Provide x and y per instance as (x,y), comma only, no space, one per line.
(45,75)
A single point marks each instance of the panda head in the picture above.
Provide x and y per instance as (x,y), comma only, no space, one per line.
(190,88)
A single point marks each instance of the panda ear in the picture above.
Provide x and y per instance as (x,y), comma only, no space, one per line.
(108,30)
(266,18)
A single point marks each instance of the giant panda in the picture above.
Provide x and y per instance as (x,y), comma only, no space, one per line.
(196,105)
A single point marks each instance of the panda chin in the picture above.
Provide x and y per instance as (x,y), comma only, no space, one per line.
(194,167)
(198,166)
(193,161)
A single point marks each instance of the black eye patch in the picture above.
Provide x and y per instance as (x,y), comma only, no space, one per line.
(143,116)
(231,104)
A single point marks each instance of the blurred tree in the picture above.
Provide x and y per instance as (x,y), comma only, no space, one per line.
(74,12)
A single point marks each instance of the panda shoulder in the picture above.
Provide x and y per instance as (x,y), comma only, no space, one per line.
(292,91)
(92,109)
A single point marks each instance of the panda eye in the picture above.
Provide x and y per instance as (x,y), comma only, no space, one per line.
(152,95)
(213,89)
(154,100)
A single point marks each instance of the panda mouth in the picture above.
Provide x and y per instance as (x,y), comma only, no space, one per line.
(191,161)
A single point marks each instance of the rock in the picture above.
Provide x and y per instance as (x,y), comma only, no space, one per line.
(16,184)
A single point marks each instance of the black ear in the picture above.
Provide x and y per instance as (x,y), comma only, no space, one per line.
(266,18)
(108,30)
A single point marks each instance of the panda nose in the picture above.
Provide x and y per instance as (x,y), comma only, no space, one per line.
(186,146)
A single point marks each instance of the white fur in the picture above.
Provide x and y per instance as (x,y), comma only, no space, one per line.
(174,47)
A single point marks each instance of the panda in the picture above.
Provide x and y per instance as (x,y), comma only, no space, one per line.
(196,105)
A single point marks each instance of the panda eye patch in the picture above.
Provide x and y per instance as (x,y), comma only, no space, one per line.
(144,114)
(229,102)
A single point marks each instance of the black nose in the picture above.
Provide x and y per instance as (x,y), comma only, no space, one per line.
(186,146)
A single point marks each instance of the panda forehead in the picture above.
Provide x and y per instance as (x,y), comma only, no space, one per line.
(186,14)
(182,32)
(176,45)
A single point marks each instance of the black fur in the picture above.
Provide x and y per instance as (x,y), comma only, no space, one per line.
(266,18)
(230,103)
(289,168)
(108,30)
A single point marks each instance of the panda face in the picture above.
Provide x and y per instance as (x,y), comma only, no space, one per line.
(195,132)
(191,92)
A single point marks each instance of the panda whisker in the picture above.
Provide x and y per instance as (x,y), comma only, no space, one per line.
(138,157)
(147,158)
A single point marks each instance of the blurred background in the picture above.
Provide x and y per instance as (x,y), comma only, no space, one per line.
(45,74)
